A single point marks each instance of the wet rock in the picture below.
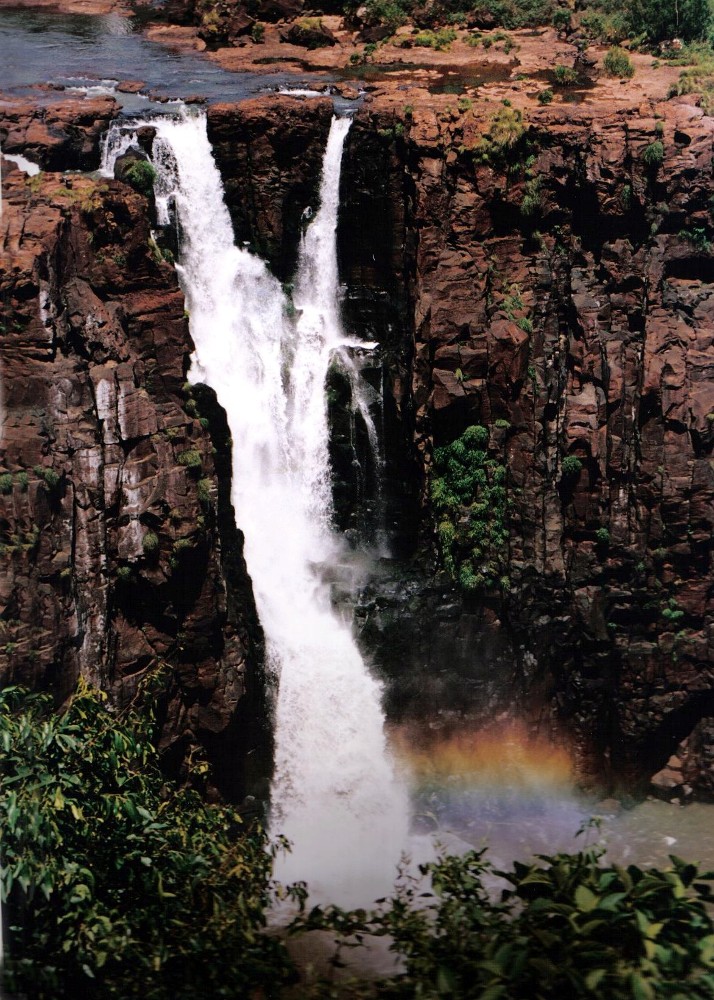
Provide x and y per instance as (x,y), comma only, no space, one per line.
(62,135)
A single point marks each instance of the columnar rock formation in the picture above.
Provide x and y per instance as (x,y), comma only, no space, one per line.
(557,292)
(560,296)
(110,510)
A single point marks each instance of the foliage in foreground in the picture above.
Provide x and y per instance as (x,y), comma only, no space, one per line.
(116,884)
(568,926)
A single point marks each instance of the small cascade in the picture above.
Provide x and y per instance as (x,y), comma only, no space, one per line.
(335,793)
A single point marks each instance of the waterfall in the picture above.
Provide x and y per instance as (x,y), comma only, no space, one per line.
(335,795)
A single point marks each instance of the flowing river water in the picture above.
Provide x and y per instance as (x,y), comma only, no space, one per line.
(337,792)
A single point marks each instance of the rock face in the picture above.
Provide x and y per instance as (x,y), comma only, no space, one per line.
(558,293)
(270,155)
(541,278)
(114,567)
(57,135)
(565,302)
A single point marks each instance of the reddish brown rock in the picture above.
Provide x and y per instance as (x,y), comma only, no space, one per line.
(61,135)
(111,551)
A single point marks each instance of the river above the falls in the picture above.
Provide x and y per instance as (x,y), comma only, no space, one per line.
(90,51)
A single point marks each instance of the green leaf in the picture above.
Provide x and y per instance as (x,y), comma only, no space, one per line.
(445,981)
(594,978)
(641,989)
(585,899)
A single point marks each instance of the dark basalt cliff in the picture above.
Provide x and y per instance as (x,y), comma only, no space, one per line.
(560,296)
(114,567)
(579,326)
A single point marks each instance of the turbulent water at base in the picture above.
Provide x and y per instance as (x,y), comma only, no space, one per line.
(335,794)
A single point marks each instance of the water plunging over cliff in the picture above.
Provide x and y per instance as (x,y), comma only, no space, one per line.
(335,794)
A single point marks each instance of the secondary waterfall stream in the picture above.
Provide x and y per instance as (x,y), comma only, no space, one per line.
(335,794)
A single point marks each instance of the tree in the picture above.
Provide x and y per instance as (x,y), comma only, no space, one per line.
(116,884)
(663,19)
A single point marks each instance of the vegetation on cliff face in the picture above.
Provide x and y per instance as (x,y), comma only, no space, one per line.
(470,501)
(117,884)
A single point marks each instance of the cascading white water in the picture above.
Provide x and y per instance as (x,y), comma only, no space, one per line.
(335,794)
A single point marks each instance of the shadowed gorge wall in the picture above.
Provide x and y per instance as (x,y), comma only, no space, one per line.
(561,298)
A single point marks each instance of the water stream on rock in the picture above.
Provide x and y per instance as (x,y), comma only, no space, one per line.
(335,793)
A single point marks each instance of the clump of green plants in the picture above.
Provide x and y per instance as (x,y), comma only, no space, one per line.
(141,175)
(545,96)
(653,154)
(6,483)
(618,63)
(468,491)
(389,13)
(565,76)
(190,459)
(672,612)
(697,237)
(562,19)
(203,489)
(532,201)
(257,33)
(150,543)
(440,40)
(505,139)
(116,884)
(49,477)
(568,925)
(602,536)
(571,466)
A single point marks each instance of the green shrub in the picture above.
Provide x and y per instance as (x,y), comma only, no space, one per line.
(561,19)
(618,63)
(6,483)
(118,886)
(602,536)
(389,13)
(150,543)
(565,76)
(531,206)
(505,138)
(568,926)
(672,613)
(124,574)
(257,33)
(49,477)
(653,155)
(23,481)
(470,500)
(141,175)
(571,466)
(191,459)
(440,40)
(545,96)
(697,237)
